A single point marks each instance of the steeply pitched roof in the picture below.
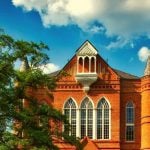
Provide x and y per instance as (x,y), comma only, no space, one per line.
(88,49)
(125,75)
(121,74)
(53,74)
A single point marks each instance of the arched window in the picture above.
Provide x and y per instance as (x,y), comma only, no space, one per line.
(86,118)
(86,64)
(92,65)
(130,121)
(80,65)
(70,112)
(103,119)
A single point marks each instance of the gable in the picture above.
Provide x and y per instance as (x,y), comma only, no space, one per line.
(103,70)
(86,49)
(88,68)
(93,63)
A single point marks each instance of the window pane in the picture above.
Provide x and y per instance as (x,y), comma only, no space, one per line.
(90,123)
(90,114)
(83,114)
(99,123)
(83,130)
(130,115)
(86,118)
(73,113)
(106,131)
(66,112)
(129,133)
(90,128)
(73,129)
(130,122)
(83,122)
(70,112)
(103,120)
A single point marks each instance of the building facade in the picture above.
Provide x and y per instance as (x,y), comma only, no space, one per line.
(107,108)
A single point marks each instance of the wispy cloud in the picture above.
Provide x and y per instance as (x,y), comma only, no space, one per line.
(97,29)
(120,42)
(131,59)
(127,18)
(143,53)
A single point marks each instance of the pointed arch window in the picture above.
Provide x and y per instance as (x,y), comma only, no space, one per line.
(93,65)
(86,64)
(80,64)
(70,112)
(130,121)
(103,119)
(86,118)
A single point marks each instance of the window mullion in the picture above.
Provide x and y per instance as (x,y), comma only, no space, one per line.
(109,123)
(86,121)
(70,120)
(130,131)
(78,123)
(102,122)
(94,126)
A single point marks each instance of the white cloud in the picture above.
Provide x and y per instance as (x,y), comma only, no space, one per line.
(119,43)
(127,18)
(143,53)
(97,29)
(49,68)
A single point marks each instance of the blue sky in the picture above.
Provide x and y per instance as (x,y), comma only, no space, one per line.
(120,30)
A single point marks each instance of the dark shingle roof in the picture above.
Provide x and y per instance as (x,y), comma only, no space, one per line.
(121,74)
(54,73)
(125,75)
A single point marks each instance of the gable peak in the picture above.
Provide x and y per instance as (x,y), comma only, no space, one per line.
(86,49)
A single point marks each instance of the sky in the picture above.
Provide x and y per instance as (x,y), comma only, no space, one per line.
(119,29)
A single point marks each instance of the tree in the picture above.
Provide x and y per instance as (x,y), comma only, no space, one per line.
(24,118)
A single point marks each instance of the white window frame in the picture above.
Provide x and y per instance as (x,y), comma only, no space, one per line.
(109,117)
(86,119)
(70,118)
(132,124)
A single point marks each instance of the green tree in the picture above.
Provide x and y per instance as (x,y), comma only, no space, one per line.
(25,120)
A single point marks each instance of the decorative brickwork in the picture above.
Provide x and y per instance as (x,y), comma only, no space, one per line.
(118,89)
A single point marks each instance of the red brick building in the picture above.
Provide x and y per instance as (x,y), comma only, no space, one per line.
(107,108)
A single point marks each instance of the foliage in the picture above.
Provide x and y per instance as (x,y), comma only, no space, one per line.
(74,141)
(24,118)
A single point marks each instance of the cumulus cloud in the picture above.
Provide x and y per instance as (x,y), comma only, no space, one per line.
(49,68)
(143,53)
(127,18)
